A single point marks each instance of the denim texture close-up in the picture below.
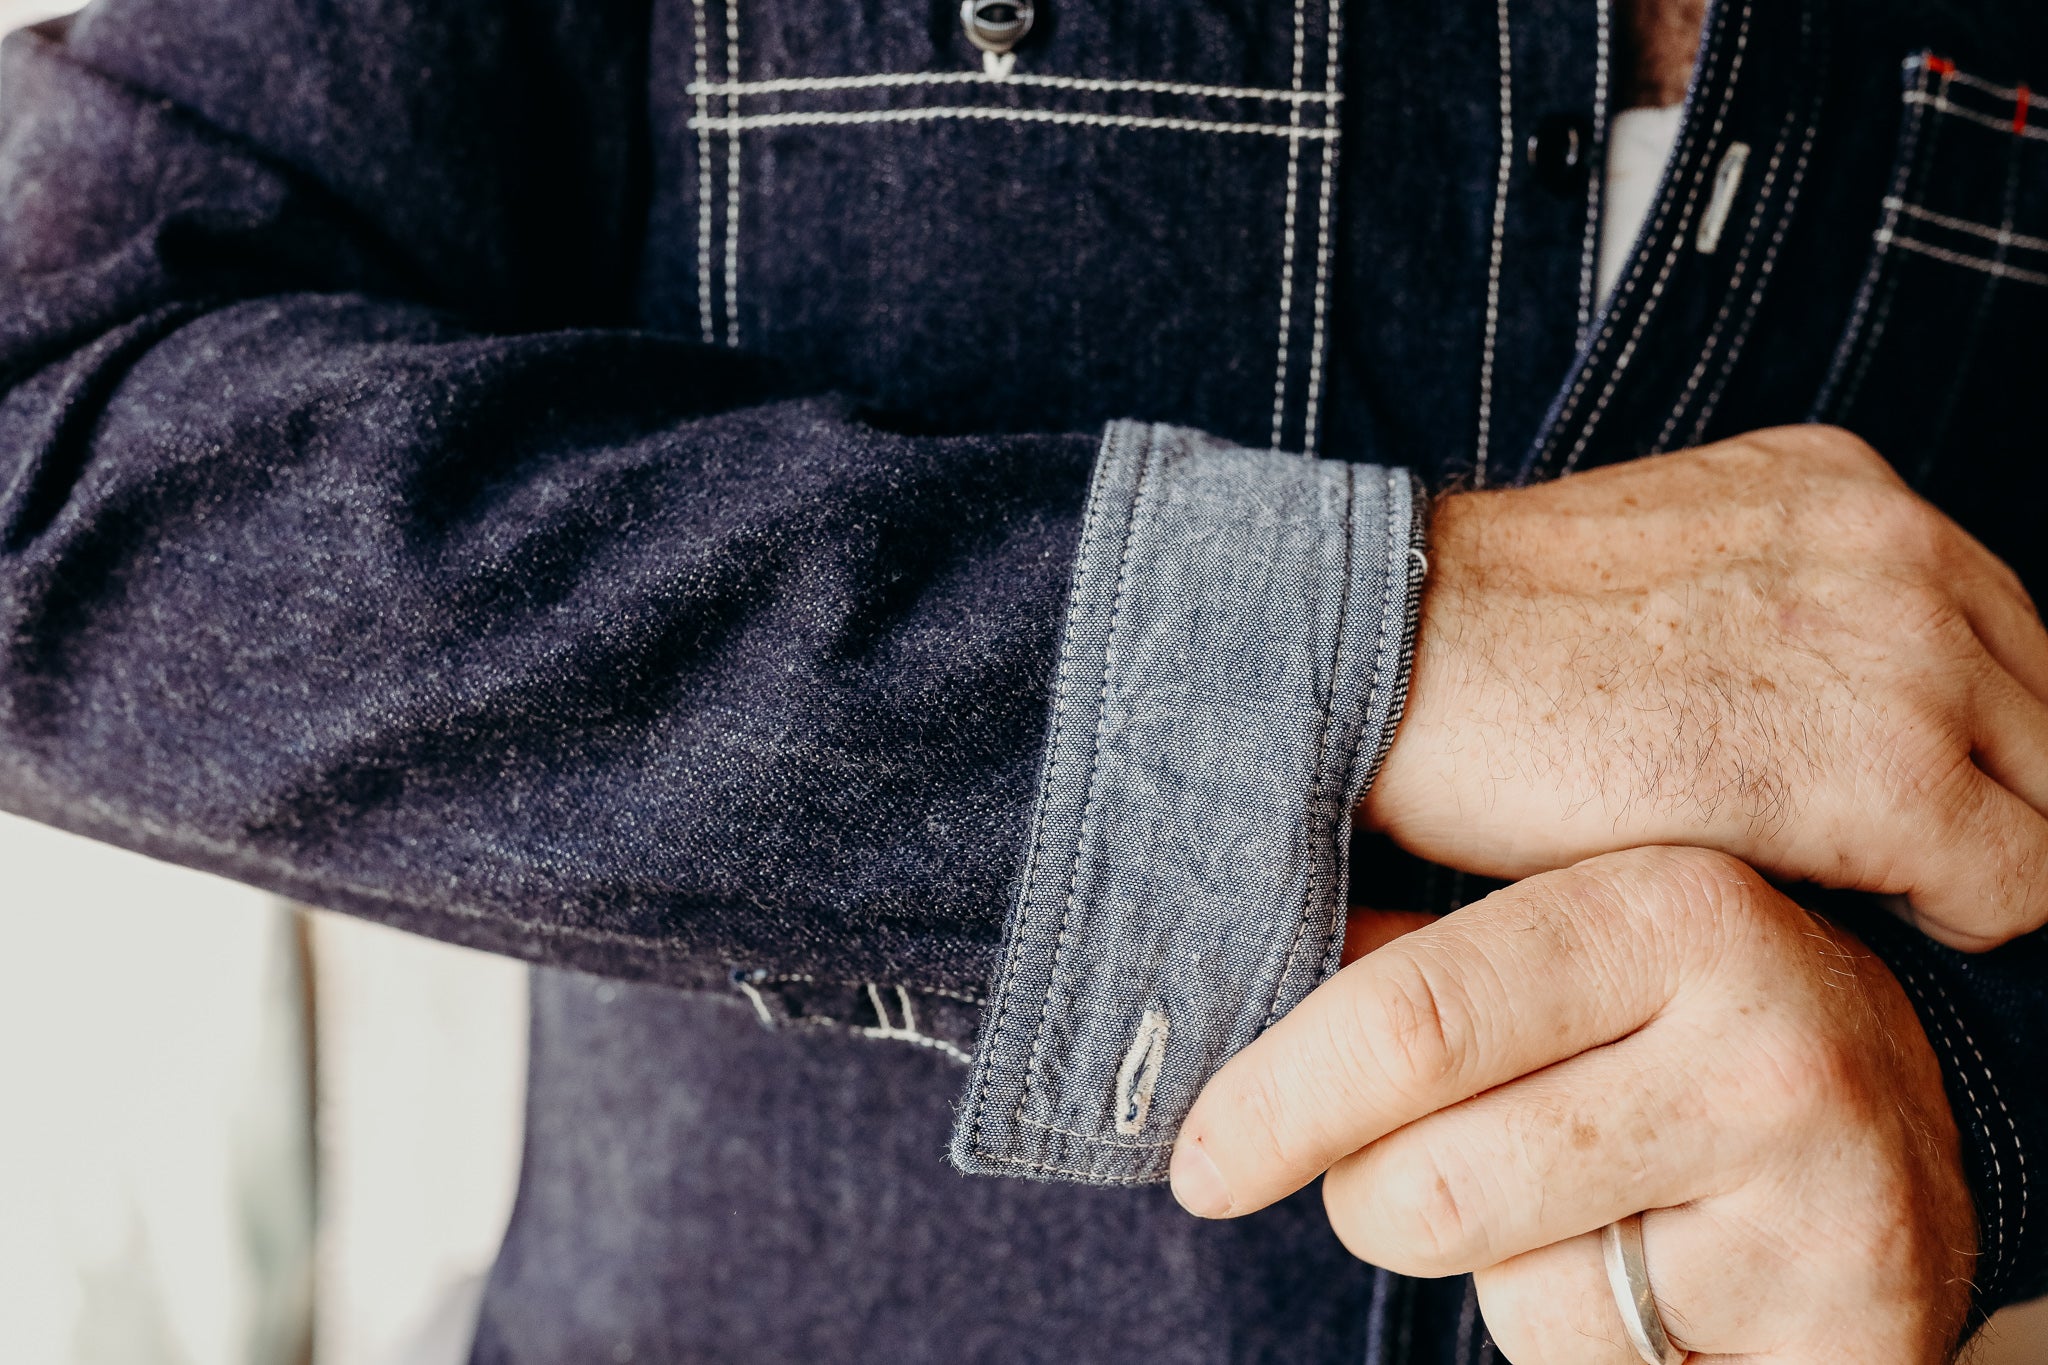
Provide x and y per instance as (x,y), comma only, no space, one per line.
(642,486)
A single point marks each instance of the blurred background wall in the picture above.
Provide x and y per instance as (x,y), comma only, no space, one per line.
(233,1133)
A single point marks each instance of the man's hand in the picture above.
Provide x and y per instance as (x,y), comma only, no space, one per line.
(1657,1029)
(1768,646)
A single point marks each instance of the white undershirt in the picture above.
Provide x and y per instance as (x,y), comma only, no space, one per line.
(1638,145)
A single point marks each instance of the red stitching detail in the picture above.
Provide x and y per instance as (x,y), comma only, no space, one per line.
(2019,113)
(1941,66)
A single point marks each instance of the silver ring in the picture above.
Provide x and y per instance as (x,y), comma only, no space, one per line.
(1628,1275)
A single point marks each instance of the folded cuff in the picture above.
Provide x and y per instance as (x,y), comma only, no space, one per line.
(1235,658)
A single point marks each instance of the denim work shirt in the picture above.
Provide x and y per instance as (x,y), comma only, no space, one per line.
(807,505)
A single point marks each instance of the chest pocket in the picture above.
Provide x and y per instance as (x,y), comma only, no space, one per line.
(1941,359)
(1122,210)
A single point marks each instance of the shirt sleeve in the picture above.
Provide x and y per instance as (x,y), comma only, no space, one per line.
(356,545)
(1231,670)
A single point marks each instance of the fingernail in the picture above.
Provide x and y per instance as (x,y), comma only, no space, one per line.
(1197,1184)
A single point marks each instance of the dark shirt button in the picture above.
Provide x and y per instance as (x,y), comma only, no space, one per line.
(1561,150)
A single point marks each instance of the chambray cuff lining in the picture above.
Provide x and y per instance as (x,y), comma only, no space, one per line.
(1234,663)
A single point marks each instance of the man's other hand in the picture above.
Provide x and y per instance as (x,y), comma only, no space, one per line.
(1770,646)
(1651,1030)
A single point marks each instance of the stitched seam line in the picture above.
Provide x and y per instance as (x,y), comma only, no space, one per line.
(732,178)
(1005,115)
(1568,408)
(1992,267)
(1063,691)
(1947,1043)
(1678,238)
(1991,234)
(2019,1235)
(891,80)
(897,1035)
(1322,774)
(1589,254)
(1397,628)
(703,175)
(1094,1140)
(1287,232)
(1770,260)
(1997,1097)
(1088,805)
(1742,259)
(1941,104)
(1484,440)
(1092,1177)
(2004,92)
(1333,25)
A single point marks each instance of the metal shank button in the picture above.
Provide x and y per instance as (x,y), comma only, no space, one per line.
(996,25)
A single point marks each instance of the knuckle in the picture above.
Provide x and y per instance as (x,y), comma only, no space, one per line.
(1844,449)
(1415,1032)
(1690,888)
(1827,452)
(1925,762)
(1807,1081)
(1268,1117)
(1423,1218)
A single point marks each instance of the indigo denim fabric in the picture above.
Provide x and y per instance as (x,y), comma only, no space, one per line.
(606,483)
(1236,648)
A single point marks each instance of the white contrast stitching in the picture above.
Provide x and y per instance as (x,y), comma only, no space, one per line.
(1942,104)
(1723,99)
(919,1040)
(1287,232)
(1116,610)
(2001,270)
(703,175)
(1749,237)
(1093,1177)
(2019,1235)
(1329,705)
(1091,1137)
(1970,1092)
(1484,440)
(817,118)
(1333,24)
(2004,92)
(2003,236)
(1589,257)
(754,999)
(1727,185)
(1770,260)
(907,1031)
(732,179)
(1138,1078)
(1062,694)
(804,84)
